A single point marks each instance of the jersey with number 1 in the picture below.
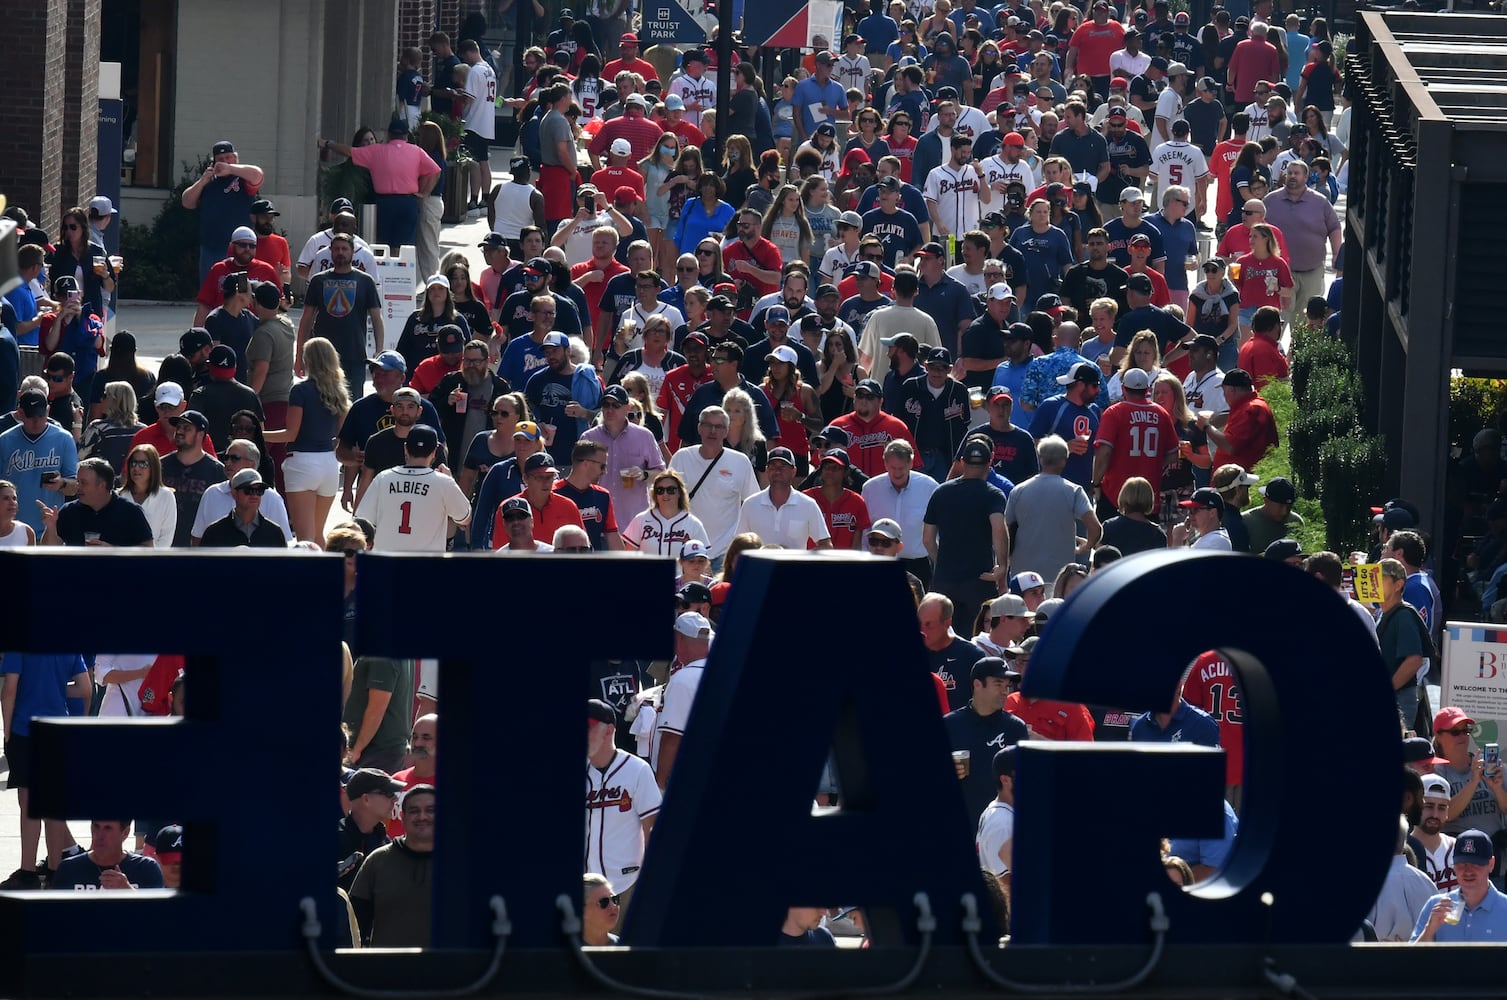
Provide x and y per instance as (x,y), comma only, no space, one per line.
(412,509)
(1141,436)
(1211,686)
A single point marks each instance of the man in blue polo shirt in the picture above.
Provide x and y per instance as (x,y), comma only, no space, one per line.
(1184,724)
(1475,910)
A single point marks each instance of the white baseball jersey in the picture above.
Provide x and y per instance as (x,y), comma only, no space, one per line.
(835,261)
(361,260)
(852,72)
(702,92)
(412,508)
(315,247)
(955,191)
(996,831)
(1169,106)
(996,169)
(619,797)
(1440,863)
(675,710)
(1176,162)
(971,122)
(481,111)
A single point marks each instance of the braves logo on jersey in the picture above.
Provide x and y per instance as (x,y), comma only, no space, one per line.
(618,689)
(614,797)
(1082,426)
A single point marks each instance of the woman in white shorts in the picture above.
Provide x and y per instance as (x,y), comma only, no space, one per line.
(316,408)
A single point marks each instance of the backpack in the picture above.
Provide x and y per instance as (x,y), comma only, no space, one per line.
(157,686)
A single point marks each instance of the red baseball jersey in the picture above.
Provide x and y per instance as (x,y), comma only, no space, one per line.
(1141,435)
(674,393)
(846,519)
(1211,686)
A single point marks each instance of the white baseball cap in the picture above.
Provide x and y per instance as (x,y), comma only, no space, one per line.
(1000,291)
(243,234)
(621,147)
(437,279)
(694,625)
(100,205)
(784,353)
(170,393)
(1435,787)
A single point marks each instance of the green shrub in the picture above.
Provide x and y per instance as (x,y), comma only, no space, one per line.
(162,260)
(1331,385)
(1350,467)
(1309,431)
(1312,535)
(1474,403)
(1311,353)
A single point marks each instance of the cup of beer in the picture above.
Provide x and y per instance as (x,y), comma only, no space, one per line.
(975,397)
(961,759)
(627,477)
(1234,271)
(1457,910)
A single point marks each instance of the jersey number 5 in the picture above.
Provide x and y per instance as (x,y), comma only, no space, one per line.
(1175,173)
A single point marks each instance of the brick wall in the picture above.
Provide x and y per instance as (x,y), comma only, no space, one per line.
(31,126)
(415,22)
(80,118)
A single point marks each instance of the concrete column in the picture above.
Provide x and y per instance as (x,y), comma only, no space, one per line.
(300,95)
(31,127)
(80,113)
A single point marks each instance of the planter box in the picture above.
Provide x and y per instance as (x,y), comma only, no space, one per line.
(457,190)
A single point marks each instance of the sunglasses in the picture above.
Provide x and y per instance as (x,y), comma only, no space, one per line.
(140,463)
(880,542)
(705,253)
(244,245)
(57,376)
(666,491)
(235,458)
(1462,731)
(257,488)
(635,416)
(608,901)
(1248,211)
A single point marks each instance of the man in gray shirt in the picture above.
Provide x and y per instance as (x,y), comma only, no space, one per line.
(1043,515)
(557,156)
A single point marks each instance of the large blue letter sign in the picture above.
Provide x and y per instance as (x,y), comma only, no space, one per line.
(1089,818)
(786,678)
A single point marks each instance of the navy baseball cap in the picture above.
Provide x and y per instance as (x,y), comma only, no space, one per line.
(833,435)
(193,417)
(1473,848)
(782,455)
(777,314)
(976,451)
(422,440)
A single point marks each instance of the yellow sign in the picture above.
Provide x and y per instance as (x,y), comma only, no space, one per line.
(1368,583)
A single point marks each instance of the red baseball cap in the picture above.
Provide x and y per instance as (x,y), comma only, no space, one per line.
(1014,139)
(624,195)
(1450,717)
(629,38)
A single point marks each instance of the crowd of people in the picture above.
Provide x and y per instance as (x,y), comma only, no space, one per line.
(927,298)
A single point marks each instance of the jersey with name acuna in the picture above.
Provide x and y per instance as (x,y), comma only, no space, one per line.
(1211,686)
(412,508)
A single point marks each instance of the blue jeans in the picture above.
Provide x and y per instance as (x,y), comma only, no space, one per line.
(1407,704)
(936,464)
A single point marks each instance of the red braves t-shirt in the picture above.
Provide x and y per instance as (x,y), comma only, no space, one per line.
(1211,686)
(1095,44)
(1141,435)
(1262,281)
(1220,165)
(847,519)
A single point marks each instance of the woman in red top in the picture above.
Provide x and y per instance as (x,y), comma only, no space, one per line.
(797,409)
(1264,280)
(902,144)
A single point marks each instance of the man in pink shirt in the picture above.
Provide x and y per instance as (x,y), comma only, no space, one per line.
(402,177)
(1253,59)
